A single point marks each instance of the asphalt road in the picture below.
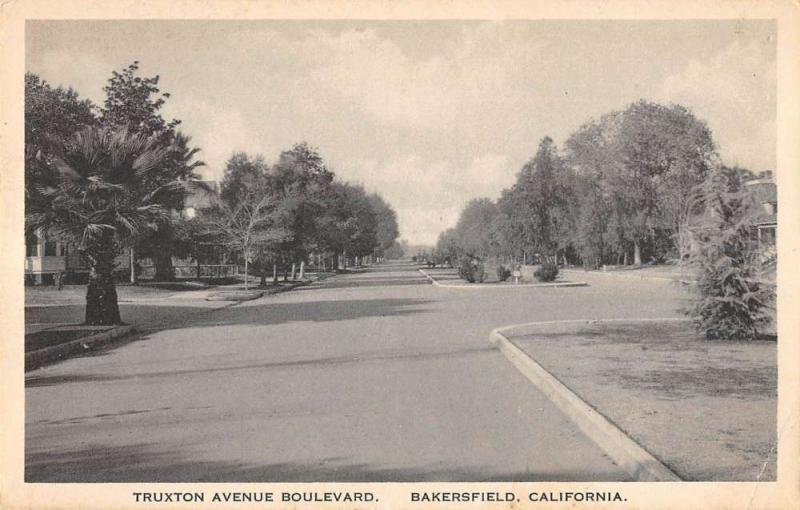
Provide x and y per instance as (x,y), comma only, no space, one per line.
(376,376)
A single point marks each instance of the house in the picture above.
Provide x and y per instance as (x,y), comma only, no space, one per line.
(201,197)
(48,258)
(765,193)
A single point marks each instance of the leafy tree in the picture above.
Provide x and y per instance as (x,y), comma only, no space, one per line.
(730,301)
(398,250)
(473,230)
(135,103)
(540,199)
(645,161)
(302,181)
(591,234)
(53,112)
(251,225)
(386,229)
(241,171)
(162,244)
(666,152)
(50,114)
(247,179)
(301,166)
(507,229)
(93,196)
(447,247)
(348,225)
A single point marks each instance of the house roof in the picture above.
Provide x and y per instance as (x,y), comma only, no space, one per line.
(201,196)
(767,220)
(763,190)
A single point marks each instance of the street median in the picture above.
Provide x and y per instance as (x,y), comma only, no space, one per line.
(661,401)
(448,281)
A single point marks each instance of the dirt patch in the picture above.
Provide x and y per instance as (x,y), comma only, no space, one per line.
(711,381)
(707,409)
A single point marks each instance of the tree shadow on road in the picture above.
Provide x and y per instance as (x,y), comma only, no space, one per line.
(364,282)
(314,311)
(175,318)
(151,463)
(52,380)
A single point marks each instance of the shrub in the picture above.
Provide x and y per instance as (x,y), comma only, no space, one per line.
(547,272)
(503,273)
(471,270)
(730,301)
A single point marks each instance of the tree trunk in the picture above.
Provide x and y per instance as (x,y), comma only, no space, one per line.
(164,270)
(263,282)
(294,271)
(302,269)
(275,274)
(637,253)
(199,274)
(101,295)
(133,266)
(245,273)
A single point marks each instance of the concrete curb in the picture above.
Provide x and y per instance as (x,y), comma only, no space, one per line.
(620,274)
(240,295)
(39,357)
(257,293)
(435,282)
(627,453)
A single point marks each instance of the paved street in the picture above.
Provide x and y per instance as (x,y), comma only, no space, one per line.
(376,376)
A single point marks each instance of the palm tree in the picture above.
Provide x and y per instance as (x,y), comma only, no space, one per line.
(95,195)
(159,245)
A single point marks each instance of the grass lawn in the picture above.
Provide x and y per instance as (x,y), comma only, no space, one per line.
(707,409)
(51,337)
(76,294)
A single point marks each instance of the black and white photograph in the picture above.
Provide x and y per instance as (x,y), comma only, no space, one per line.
(502,251)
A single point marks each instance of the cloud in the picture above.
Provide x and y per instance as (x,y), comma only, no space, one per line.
(734,91)
(456,86)
(76,70)
(430,114)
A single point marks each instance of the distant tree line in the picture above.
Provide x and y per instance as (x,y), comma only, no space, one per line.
(113,179)
(618,193)
(640,185)
(280,216)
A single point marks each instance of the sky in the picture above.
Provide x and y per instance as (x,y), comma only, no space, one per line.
(429,114)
